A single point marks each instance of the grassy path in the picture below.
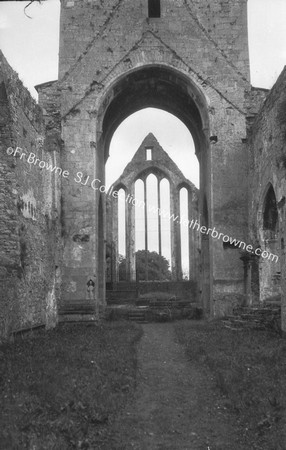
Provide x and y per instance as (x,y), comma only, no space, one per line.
(188,385)
(176,404)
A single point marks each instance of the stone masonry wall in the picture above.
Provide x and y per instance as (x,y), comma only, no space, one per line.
(224,21)
(203,42)
(105,33)
(267,163)
(29,210)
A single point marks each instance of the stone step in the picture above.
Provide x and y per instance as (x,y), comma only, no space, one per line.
(121,301)
(120,294)
(136,313)
(258,317)
(163,304)
(137,316)
(76,307)
(122,287)
(77,318)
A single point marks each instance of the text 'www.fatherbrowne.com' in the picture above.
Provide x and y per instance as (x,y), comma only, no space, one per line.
(96,184)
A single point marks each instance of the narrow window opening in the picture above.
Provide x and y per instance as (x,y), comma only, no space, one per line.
(121,234)
(184,216)
(270,215)
(149,154)
(154,8)
(152,216)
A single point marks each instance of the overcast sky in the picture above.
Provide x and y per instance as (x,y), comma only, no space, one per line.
(31,47)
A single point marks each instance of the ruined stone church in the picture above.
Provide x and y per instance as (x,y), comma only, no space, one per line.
(187,57)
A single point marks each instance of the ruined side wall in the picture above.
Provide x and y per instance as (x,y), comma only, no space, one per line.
(267,143)
(28,212)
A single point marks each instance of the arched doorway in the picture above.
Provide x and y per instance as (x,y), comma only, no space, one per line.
(269,273)
(166,88)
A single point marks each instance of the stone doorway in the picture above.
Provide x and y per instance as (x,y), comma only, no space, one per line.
(167,89)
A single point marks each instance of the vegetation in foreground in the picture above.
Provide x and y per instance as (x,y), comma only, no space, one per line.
(249,368)
(62,389)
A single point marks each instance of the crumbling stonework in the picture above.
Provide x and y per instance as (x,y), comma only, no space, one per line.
(267,142)
(28,214)
(114,60)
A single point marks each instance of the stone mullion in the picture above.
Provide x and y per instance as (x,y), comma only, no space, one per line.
(176,264)
(178,236)
(192,240)
(115,254)
(159,219)
(130,235)
(127,265)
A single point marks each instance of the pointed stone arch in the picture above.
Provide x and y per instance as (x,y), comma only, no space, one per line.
(270,211)
(157,67)
(268,224)
(171,90)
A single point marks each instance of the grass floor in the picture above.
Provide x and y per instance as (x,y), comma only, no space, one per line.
(249,368)
(62,389)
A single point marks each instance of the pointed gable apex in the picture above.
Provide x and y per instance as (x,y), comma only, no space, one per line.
(149,143)
(159,161)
